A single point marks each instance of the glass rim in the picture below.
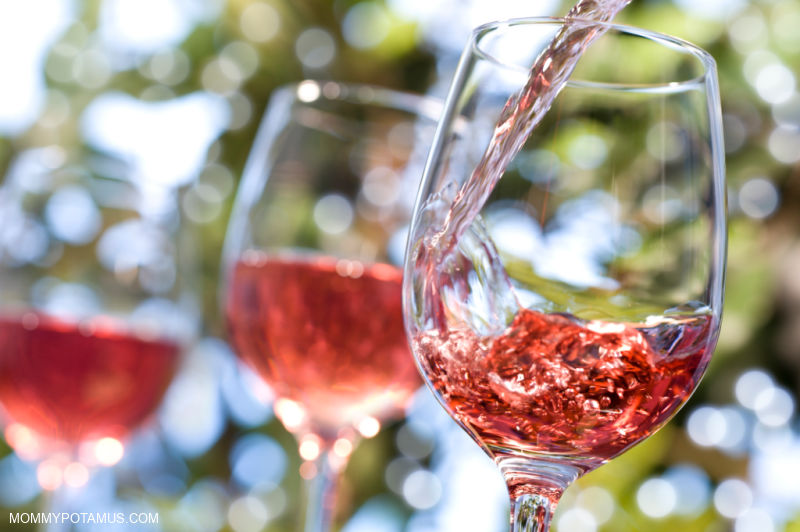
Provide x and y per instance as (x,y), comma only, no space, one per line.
(668,41)
(309,91)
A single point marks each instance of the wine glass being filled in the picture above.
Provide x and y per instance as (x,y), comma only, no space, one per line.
(563,289)
(313,261)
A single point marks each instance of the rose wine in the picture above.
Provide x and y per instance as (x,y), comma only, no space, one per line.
(553,385)
(325,333)
(73,381)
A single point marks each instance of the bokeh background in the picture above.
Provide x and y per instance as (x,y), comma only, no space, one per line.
(174,90)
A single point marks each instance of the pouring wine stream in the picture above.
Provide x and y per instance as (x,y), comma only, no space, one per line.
(521,114)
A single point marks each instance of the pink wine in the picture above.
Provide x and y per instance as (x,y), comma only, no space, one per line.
(70,382)
(325,333)
(551,384)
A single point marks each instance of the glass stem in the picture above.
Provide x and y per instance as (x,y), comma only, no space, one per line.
(531,513)
(535,486)
(321,493)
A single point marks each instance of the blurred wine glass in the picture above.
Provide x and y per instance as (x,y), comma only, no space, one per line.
(313,261)
(566,313)
(95,309)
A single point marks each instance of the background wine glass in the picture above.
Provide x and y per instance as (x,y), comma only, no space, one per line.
(94,311)
(313,255)
(579,309)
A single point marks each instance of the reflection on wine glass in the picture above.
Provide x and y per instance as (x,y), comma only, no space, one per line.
(313,282)
(93,314)
(568,314)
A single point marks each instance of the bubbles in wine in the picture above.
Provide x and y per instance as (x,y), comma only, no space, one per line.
(554,384)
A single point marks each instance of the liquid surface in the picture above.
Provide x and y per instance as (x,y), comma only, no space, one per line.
(325,333)
(70,382)
(553,385)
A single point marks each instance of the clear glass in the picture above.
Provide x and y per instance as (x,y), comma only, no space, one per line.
(579,309)
(313,266)
(96,306)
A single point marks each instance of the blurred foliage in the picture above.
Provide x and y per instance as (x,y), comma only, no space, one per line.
(762,311)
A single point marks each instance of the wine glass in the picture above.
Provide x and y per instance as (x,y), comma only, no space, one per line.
(313,266)
(94,312)
(566,313)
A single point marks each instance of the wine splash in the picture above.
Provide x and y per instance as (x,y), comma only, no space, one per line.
(443,240)
(554,385)
(326,333)
(451,249)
